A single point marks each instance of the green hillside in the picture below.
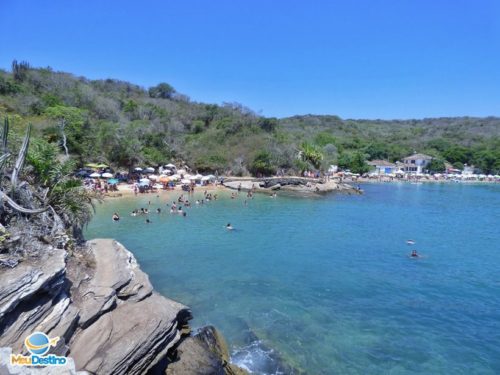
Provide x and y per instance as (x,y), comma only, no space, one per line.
(125,125)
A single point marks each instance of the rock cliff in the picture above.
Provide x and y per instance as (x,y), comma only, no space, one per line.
(103,308)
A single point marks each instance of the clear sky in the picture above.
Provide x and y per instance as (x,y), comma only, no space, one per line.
(352,58)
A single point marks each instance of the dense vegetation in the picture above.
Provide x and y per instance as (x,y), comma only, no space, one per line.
(126,125)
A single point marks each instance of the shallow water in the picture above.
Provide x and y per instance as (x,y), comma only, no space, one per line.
(327,283)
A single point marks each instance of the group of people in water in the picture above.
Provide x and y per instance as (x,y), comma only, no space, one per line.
(176,207)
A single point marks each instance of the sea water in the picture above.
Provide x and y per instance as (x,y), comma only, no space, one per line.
(325,285)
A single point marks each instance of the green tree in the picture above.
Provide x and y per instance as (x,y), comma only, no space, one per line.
(262,164)
(436,166)
(311,154)
(268,124)
(70,122)
(162,91)
(65,194)
(358,164)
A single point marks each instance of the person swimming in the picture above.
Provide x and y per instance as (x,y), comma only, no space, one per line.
(116,217)
(414,254)
(229,226)
(148,221)
(158,210)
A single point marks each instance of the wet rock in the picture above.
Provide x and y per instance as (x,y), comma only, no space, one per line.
(203,354)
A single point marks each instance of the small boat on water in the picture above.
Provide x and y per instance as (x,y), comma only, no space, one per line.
(410,242)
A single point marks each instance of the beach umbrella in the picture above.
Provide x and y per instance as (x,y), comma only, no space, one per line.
(107,175)
(169,166)
(186,181)
(95,175)
(150,169)
(92,165)
(144,180)
(191,177)
(175,177)
(138,169)
(181,171)
(198,176)
(102,165)
(113,181)
(143,183)
(153,177)
(164,178)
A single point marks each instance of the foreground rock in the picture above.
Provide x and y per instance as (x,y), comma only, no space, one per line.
(205,353)
(101,305)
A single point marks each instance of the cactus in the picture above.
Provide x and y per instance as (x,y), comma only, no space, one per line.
(14,179)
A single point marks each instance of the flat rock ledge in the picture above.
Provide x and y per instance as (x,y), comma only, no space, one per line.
(299,186)
(103,308)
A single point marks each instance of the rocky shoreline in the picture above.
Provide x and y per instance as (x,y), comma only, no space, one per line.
(107,315)
(298,186)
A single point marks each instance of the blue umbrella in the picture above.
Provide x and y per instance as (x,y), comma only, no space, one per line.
(113,181)
(143,183)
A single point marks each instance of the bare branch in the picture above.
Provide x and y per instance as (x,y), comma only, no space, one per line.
(19,208)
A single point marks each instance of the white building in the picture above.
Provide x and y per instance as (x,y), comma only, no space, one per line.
(416,163)
(383,166)
(468,170)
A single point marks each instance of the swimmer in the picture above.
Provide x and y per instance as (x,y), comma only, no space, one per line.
(414,254)
(158,210)
(229,226)
(116,217)
(133,213)
(148,221)
(197,201)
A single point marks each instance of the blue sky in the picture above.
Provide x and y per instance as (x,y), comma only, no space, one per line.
(355,59)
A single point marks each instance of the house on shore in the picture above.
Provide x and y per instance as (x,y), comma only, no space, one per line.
(383,166)
(416,163)
(469,170)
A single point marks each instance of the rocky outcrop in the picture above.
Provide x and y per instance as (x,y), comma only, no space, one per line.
(105,311)
(205,353)
(293,185)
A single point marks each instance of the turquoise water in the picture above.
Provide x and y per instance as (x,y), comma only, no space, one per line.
(326,285)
